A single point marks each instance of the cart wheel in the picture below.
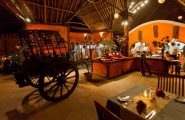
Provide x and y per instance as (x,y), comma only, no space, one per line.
(58,80)
(33,80)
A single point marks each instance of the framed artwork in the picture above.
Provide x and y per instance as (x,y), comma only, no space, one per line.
(139,35)
(176,32)
(155,30)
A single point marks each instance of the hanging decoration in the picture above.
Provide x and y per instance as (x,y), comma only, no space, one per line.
(176,32)
(116,15)
(180,17)
(139,35)
(155,29)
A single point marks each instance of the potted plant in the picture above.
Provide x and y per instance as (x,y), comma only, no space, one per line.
(88,65)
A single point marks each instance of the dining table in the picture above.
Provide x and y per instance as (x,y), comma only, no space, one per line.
(167,108)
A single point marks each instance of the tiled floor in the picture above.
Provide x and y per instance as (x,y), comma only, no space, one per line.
(26,104)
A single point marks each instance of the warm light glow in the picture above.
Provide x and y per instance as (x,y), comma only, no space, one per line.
(101,33)
(116,15)
(125,23)
(145,94)
(27,19)
(132,3)
(85,34)
(180,17)
(161,1)
(142,4)
(146,1)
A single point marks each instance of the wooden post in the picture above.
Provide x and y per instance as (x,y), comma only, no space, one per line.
(125,49)
(126,36)
(44,10)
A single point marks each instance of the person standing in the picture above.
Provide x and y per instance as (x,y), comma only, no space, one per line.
(183,61)
(133,49)
(98,50)
(174,50)
(78,51)
(74,49)
(144,64)
(141,46)
(86,52)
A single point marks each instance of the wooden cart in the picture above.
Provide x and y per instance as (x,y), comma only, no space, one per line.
(46,64)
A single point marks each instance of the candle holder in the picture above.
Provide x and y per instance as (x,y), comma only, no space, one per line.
(145,94)
(152,93)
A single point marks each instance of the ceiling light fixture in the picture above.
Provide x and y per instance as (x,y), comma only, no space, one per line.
(161,1)
(180,17)
(116,15)
(101,33)
(27,19)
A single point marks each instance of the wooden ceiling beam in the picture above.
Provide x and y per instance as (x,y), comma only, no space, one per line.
(112,5)
(71,17)
(79,28)
(101,17)
(62,11)
(32,11)
(98,22)
(99,10)
(77,23)
(48,6)
(85,21)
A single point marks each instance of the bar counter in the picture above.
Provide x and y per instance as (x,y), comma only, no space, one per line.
(117,67)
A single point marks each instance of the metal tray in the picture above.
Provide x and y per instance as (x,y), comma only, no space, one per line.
(180,99)
(123,98)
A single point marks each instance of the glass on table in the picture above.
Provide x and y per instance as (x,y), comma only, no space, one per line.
(152,93)
(145,94)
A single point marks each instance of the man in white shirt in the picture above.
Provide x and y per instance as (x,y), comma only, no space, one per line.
(174,50)
(98,50)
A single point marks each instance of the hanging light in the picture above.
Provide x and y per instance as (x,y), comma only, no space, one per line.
(85,34)
(180,17)
(116,15)
(101,33)
(27,19)
(161,1)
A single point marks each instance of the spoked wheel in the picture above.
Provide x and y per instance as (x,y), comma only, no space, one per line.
(33,80)
(58,80)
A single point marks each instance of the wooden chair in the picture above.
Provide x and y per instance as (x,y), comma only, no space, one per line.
(171,83)
(103,113)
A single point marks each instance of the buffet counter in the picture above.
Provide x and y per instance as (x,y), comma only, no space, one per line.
(117,67)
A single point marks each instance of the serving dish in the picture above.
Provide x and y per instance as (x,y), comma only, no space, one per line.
(123,98)
(180,99)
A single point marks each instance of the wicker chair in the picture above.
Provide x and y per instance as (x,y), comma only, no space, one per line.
(171,83)
(103,113)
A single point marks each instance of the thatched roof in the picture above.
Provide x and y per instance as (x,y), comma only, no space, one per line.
(86,15)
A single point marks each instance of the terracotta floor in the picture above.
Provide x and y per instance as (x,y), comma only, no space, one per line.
(26,104)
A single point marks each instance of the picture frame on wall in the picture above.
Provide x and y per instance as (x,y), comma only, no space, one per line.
(155,30)
(139,35)
(176,32)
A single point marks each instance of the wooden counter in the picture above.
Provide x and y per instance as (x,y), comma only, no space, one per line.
(111,69)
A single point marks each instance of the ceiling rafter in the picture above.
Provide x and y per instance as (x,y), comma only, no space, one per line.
(101,16)
(48,6)
(98,10)
(32,11)
(85,21)
(77,23)
(70,17)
